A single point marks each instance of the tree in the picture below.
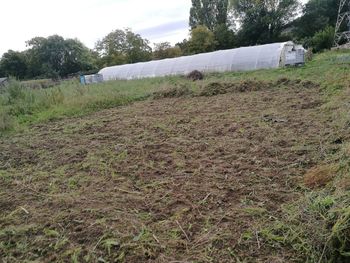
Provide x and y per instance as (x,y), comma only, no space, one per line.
(201,40)
(123,46)
(317,15)
(225,37)
(13,63)
(55,57)
(209,13)
(165,50)
(77,58)
(184,46)
(263,21)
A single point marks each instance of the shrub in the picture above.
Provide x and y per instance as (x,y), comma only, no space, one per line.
(14,90)
(323,40)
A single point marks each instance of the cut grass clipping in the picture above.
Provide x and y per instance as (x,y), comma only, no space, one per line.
(238,167)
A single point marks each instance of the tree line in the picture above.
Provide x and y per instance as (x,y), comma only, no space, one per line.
(214,25)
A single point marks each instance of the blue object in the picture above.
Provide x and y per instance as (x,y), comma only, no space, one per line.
(82,80)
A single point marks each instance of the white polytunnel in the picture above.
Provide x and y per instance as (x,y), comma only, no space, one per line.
(240,59)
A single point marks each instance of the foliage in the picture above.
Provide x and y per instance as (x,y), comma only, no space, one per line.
(184,46)
(317,15)
(323,39)
(225,37)
(165,50)
(55,57)
(263,21)
(201,40)
(209,13)
(51,57)
(14,64)
(123,46)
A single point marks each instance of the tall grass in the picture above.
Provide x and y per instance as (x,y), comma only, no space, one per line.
(20,105)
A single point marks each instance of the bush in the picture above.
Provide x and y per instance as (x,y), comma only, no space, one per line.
(323,40)
(14,90)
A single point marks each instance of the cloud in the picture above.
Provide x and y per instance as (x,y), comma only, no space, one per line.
(88,20)
(178,29)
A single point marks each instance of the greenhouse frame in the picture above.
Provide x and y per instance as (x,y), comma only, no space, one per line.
(240,59)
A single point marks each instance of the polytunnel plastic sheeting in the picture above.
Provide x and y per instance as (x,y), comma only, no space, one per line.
(164,67)
(240,59)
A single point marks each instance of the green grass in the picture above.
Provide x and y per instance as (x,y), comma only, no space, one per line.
(317,226)
(21,106)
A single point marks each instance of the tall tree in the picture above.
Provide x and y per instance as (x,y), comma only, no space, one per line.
(263,21)
(209,13)
(317,15)
(123,46)
(13,63)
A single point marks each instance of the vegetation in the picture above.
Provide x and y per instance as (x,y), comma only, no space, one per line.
(214,25)
(51,57)
(208,13)
(165,50)
(21,105)
(122,47)
(264,21)
(237,167)
(202,40)
(323,40)
(317,15)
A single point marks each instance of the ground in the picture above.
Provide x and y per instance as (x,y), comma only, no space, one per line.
(187,179)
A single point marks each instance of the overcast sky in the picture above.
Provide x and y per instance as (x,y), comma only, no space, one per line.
(90,20)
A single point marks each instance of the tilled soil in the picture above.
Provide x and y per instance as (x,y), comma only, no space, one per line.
(168,180)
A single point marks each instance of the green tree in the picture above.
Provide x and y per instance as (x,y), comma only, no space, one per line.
(201,40)
(184,46)
(317,15)
(165,50)
(225,37)
(77,58)
(263,21)
(209,13)
(123,46)
(57,57)
(13,63)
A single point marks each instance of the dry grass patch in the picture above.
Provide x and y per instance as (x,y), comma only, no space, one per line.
(320,176)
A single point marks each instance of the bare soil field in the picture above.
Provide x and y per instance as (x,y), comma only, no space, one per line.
(188,179)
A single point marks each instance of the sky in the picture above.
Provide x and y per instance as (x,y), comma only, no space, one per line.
(91,20)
